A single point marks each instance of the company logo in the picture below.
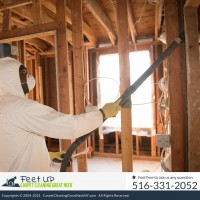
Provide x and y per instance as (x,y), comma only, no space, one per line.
(11,183)
(36,182)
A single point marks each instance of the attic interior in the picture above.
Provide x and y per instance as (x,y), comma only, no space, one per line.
(62,43)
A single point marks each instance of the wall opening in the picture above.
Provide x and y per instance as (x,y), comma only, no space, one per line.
(142,110)
(142,99)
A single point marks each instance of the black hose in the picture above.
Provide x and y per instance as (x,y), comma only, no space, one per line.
(70,150)
(127,93)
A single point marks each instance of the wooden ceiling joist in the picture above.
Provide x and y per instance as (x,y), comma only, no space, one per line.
(192,3)
(51,14)
(29,51)
(101,16)
(38,43)
(17,19)
(6,20)
(156,22)
(32,48)
(24,13)
(160,13)
(14,4)
(49,39)
(28,32)
(37,11)
(14,21)
(131,22)
(86,28)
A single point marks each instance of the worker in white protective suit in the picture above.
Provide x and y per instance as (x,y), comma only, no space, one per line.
(24,123)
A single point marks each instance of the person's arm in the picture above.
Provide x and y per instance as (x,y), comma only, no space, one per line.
(45,121)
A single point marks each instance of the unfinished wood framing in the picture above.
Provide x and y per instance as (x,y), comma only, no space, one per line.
(177,89)
(39,80)
(156,22)
(86,29)
(77,36)
(193,84)
(15,4)
(63,72)
(28,32)
(87,89)
(37,11)
(31,70)
(22,52)
(126,122)
(114,49)
(6,26)
(131,22)
(46,82)
(98,12)
(192,3)
(93,65)
(55,38)
(117,133)
(158,76)
(101,141)
(153,131)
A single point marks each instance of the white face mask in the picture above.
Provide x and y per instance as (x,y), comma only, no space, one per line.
(30,82)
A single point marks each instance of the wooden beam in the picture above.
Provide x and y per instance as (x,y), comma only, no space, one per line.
(126,122)
(117,134)
(37,12)
(93,66)
(6,26)
(158,76)
(160,13)
(156,22)
(30,48)
(87,89)
(21,52)
(77,40)
(53,16)
(49,39)
(18,20)
(153,139)
(39,80)
(24,12)
(14,21)
(49,12)
(86,75)
(86,28)
(135,157)
(38,43)
(31,70)
(192,3)
(63,70)
(101,140)
(111,49)
(131,22)
(177,89)
(193,86)
(101,16)
(46,81)
(47,53)
(15,4)
(28,32)
(62,58)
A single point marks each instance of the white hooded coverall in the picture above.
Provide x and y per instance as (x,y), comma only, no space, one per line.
(25,123)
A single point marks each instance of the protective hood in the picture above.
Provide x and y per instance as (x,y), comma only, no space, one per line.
(9,77)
